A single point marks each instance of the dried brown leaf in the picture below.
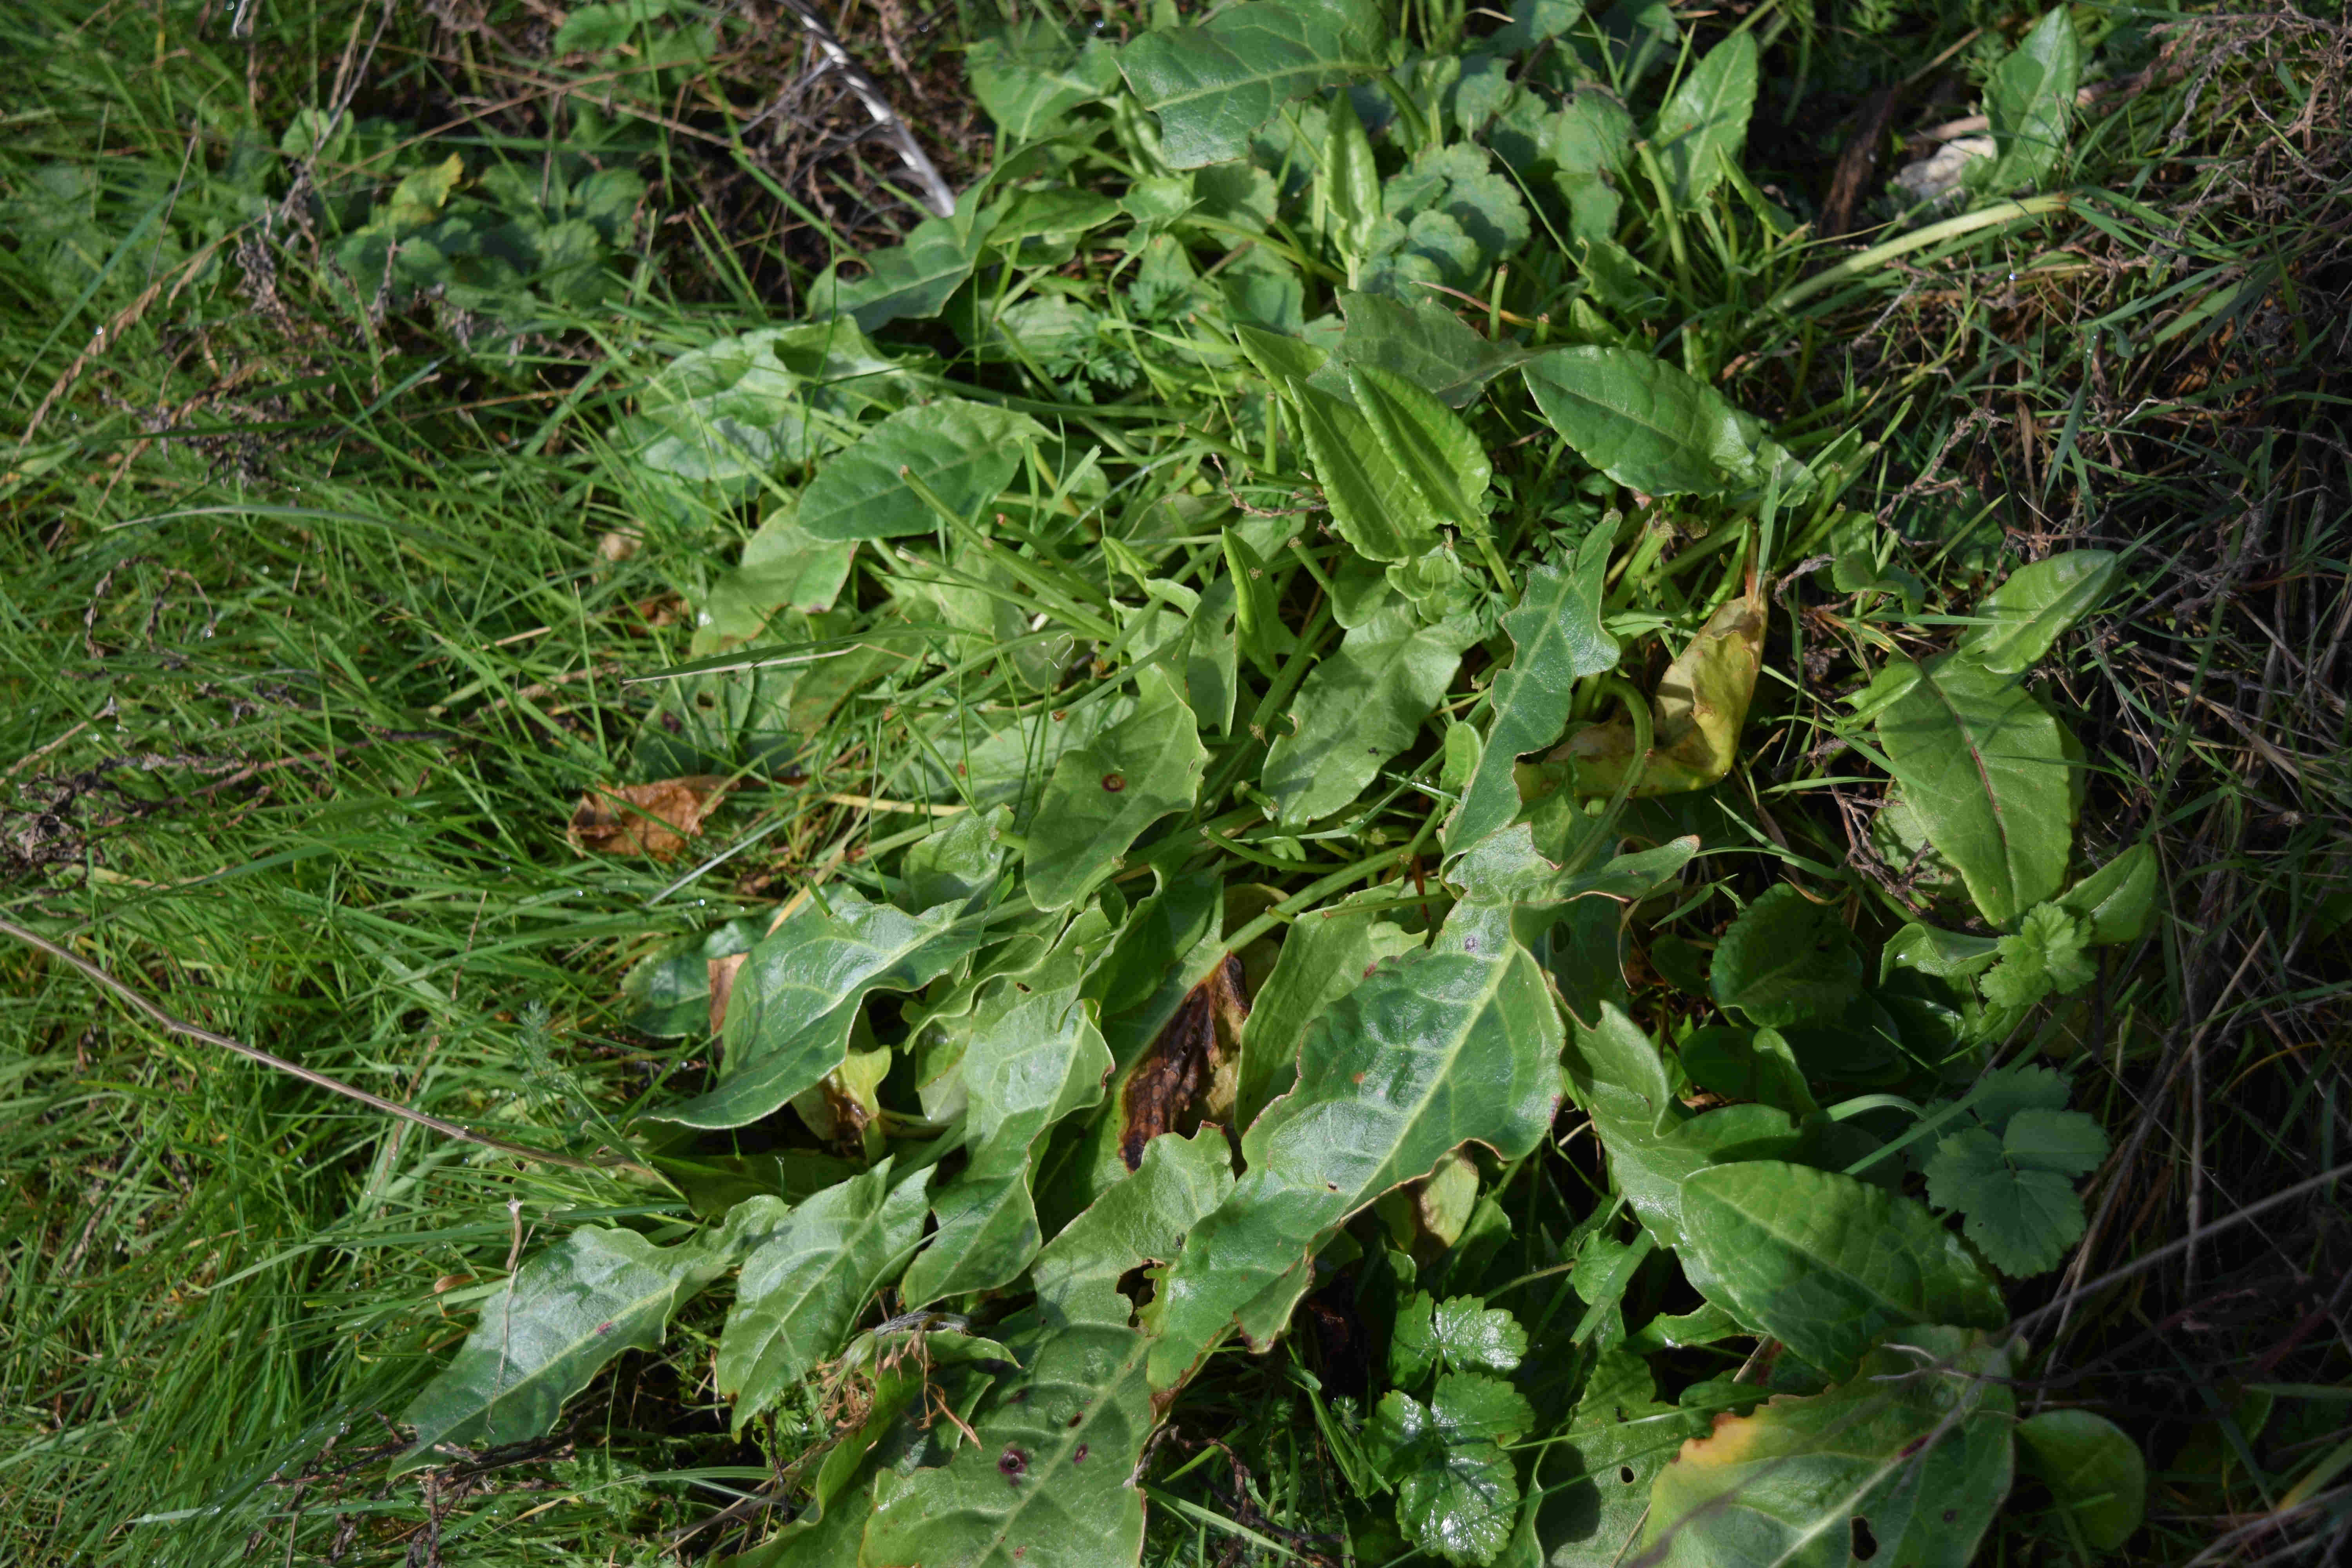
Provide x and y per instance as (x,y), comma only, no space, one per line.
(654,819)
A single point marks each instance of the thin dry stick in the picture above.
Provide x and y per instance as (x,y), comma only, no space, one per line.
(934,186)
(179,1025)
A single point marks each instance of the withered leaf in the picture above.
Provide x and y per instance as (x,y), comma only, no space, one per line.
(1182,1061)
(654,819)
(1695,716)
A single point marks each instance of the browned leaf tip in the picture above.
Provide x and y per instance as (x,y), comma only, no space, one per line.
(1171,1075)
(654,819)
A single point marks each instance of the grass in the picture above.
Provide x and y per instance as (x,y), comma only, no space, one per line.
(315,622)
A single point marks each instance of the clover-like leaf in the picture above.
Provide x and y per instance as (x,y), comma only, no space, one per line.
(2014,1189)
(2044,954)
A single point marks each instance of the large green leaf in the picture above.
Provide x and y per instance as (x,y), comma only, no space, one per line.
(1702,129)
(567,1311)
(1049,1484)
(798,994)
(1983,768)
(1824,1263)
(966,453)
(1328,953)
(1430,445)
(1027,77)
(2093,1469)
(1104,794)
(742,406)
(1786,958)
(1421,343)
(909,280)
(1212,85)
(1442,1048)
(1374,506)
(1911,1457)
(1555,631)
(1031,1057)
(808,1273)
(2029,612)
(1652,1140)
(1648,423)
(1360,707)
(2029,101)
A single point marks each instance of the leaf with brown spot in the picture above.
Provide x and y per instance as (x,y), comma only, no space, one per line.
(654,819)
(1182,1061)
(722,987)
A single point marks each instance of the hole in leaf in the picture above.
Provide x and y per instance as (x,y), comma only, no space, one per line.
(1865,1545)
(1625,1474)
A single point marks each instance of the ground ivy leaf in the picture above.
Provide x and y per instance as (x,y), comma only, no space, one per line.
(1374,506)
(1360,707)
(799,991)
(2030,611)
(2044,954)
(1786,958)
(2093,1470)
(1104,794)
(1473,1336)
(1703,128)
(1983,768)
(1458,1491)
(1915,1445)
(1695,716)
(806,1279)
(1440,1049)
(1648,423)
(1555,631)
(1824,1263)
(568,1310)
(1212,85)
(965,452)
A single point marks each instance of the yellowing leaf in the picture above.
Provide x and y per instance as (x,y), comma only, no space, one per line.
(1694,719)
